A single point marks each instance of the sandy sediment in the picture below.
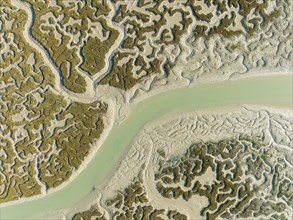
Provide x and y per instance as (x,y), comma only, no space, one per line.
(174,134)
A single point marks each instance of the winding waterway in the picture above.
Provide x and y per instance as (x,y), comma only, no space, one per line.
(268,90)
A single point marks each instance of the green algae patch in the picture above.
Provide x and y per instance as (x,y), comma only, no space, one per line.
(133,203)
(65,31)
(92,213)
(95,51)
(44,137)
(235,167)
(80,36)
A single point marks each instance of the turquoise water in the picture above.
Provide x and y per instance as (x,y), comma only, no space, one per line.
(273,91)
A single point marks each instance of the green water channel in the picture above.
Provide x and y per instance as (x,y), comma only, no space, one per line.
(272,91)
